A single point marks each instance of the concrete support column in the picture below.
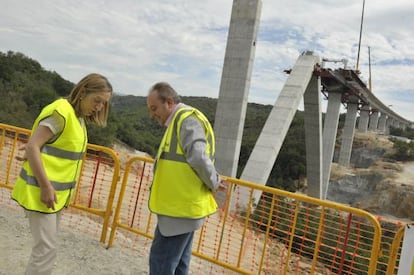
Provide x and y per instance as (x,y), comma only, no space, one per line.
(348,132)
(267,147)
(364,118)
(313,137)
(329,136)
(373,121)
(389,123)
(381,123)
(235,84)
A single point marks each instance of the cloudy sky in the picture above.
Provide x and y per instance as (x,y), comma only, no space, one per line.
(136,43)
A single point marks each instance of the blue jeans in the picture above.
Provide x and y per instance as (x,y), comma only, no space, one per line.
(170,255)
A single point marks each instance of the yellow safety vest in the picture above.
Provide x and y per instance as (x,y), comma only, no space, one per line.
(177,191)
(62,161)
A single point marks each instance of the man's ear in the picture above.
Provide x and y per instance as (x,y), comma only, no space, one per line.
(170,101)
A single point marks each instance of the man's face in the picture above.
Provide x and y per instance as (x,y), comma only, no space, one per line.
(158,109)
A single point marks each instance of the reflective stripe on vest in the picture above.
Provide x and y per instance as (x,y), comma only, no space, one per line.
(60,153)
(172,154)
(58,186)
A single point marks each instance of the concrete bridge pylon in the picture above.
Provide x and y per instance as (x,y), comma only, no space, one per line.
(264,154)
(235,84)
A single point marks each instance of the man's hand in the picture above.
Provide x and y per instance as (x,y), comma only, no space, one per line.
(223,186)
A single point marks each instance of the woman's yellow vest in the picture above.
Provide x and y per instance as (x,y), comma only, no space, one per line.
(176,190)
(62,161)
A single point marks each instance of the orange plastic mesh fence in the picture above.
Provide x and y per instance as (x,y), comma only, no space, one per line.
(284,233)
(132,215)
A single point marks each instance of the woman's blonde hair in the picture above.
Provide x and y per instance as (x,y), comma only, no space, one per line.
(92,83)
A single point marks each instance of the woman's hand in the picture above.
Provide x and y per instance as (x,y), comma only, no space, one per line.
(48,196)
(24,157)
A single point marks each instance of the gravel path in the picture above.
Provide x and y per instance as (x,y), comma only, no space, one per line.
(78,253)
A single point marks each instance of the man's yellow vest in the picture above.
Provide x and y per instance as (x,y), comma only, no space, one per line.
(62,161)
(176,190)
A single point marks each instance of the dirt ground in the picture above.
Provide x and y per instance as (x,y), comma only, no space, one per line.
(77,254)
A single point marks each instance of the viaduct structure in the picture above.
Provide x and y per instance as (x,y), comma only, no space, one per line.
(307,80)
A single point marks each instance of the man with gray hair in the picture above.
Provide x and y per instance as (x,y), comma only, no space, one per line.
(184,180)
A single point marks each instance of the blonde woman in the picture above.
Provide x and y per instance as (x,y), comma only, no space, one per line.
(53,159)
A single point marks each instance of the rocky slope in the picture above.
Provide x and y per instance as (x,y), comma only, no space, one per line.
(373,183)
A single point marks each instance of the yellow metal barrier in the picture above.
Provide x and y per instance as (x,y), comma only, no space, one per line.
(131,212)
(12,138)
(95,191)
(285,233)
(395,250)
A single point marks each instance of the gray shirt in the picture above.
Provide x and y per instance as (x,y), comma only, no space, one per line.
(194,143)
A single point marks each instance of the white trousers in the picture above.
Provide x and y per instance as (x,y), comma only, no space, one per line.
(44,229)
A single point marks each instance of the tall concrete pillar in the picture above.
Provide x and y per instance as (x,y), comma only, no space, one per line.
(381,123)
(330,130)
(389,123)
(235,84)
(348,132)
(373,121)
(396,123)
(313,137)
(364,118)
(267,147)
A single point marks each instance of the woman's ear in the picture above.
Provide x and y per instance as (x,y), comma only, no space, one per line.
(82,96)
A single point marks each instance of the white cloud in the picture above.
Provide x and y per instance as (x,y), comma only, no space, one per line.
(136,43)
